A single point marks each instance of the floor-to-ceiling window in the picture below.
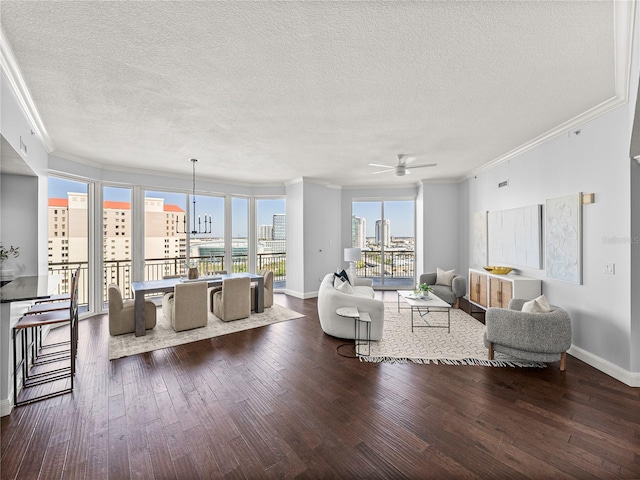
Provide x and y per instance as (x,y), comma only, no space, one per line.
(384,230)
(116,239)
(68,234)
(271,236)
(206,247)
(165,238)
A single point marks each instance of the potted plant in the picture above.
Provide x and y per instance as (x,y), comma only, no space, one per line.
(423,290)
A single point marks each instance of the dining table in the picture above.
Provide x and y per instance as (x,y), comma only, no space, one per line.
(165,285)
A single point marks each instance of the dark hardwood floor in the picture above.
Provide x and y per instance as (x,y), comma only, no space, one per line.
(279,402)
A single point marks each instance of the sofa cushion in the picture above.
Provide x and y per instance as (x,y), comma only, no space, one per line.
(345,287)
(537,305)
(363,291)
(444,277)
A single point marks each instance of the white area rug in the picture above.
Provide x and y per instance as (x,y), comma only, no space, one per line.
(163,336)
(463,346)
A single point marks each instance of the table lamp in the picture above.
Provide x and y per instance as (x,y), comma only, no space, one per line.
(352,255)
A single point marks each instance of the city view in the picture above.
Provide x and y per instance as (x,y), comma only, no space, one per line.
(383,230)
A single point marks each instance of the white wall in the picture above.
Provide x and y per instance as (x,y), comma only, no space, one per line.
(23,207)
(595,161)
(322,232)
(19,222)
(313,236)
(295,239)
(440,227)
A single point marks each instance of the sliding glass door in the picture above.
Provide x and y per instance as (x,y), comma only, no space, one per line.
(384,230)
(271,237)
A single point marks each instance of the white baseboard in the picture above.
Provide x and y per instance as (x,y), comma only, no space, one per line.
(301,295)
(6,406)
(628,378)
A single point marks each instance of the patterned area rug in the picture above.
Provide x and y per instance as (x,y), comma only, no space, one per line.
(164,336)
(463,346)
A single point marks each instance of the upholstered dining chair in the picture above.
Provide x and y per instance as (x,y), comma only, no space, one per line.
(268,290)
(217,288)
(121,313)
(186,306)
(233,302)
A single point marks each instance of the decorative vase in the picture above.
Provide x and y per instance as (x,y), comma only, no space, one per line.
(193,273)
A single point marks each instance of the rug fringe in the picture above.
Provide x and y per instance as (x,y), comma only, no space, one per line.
(449,361)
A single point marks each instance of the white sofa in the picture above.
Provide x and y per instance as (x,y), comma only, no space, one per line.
(330,299)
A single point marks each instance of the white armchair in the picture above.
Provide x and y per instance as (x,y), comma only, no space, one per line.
(330,299)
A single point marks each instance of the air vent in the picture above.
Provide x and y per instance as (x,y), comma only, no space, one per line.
(503,184)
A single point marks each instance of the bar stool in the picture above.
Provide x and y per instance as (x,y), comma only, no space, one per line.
(29,324)
(45,305)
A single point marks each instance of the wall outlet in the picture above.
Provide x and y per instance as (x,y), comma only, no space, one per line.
(609,269)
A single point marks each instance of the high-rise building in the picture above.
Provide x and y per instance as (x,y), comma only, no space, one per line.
(68,229)
(279,227)
(265,232)
(386,232)
(358,232)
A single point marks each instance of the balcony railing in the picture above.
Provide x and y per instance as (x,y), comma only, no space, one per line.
(398,265)
(119,271)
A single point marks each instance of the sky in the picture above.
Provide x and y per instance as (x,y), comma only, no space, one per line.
(400,214)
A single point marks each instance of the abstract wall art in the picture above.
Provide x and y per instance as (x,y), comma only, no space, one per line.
(563,233)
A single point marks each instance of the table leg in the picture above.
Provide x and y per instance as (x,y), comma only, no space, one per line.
(260,295)
(139,315)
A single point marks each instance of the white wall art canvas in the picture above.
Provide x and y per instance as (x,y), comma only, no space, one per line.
(515,237)
(563,246)
(479,239)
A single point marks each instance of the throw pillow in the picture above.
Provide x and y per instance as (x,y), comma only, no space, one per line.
(337,280)
(345,287)
(537,305)
(344,275)
(444,277)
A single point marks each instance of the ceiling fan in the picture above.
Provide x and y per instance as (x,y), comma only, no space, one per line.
(400,169)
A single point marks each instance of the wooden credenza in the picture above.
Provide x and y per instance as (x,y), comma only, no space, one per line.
(492,290)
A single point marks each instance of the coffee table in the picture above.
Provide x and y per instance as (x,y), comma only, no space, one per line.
(423,306)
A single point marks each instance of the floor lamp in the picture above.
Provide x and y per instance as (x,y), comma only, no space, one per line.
(352,255)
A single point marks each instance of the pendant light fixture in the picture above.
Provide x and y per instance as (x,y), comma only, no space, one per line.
(202,227)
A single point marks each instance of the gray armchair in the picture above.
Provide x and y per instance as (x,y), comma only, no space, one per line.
(538,337)
(452,294)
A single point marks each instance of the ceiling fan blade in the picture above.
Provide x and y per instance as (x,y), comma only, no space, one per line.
(383,171)
(424,165)
(381,166)
(407,159)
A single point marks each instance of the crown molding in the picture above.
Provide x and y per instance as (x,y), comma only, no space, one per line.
(21,91)
(624,22)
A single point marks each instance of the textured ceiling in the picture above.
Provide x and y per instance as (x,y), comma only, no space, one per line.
(267,92)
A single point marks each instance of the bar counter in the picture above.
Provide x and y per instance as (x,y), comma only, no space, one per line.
(15,298)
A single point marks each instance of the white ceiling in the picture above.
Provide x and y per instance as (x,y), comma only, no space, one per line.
(267,92)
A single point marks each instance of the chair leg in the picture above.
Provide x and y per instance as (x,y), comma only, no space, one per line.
(563,361)
(490,351)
